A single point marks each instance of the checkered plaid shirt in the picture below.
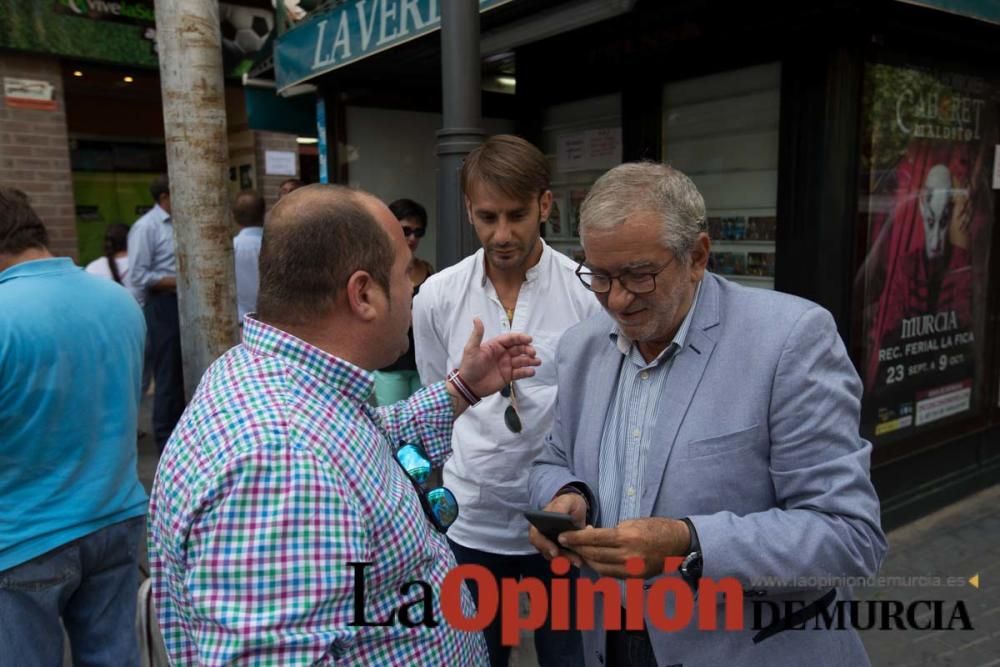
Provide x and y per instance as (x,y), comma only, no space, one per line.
(277,476)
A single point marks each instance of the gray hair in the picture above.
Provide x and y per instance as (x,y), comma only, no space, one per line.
(641,187)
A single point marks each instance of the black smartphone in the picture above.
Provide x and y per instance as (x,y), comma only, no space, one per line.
(550,524)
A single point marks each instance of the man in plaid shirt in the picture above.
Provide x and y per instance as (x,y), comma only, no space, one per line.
(280,472)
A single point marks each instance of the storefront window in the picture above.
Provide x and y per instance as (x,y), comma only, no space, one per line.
(582,140)
(722,131)
(928,208)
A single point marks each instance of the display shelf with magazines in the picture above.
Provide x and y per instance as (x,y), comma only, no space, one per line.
(743,247)
(722,131)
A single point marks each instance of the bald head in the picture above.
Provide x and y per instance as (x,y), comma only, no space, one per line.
(315,239)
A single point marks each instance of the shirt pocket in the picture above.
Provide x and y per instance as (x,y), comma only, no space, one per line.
(726,443)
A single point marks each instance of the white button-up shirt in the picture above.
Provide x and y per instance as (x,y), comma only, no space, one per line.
(488,470)
(151,252)
(246,249)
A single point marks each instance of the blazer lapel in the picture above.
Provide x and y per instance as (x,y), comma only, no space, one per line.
(679,389)
(598,393)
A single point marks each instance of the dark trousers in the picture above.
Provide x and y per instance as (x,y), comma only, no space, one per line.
(554,648)
(630,648)
(163,322)
(147,364)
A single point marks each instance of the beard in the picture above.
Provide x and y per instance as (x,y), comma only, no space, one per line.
(510,256)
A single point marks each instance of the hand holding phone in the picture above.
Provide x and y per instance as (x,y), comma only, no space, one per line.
(551,524)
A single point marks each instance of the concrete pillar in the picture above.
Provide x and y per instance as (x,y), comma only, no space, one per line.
(461,130)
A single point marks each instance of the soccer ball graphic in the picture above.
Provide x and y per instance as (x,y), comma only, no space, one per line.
(244,29)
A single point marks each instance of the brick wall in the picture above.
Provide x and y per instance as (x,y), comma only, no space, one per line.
(34,151)
(272,141)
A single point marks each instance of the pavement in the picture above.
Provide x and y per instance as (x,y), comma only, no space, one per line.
(931,559)
(946,549)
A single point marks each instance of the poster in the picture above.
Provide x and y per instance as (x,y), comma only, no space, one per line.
(576,198)
(928,205)
(123,33)
(554,223)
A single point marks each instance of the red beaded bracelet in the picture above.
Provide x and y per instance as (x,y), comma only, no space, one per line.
(456,381)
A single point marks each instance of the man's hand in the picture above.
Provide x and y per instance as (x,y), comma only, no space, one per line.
(566,503)
(488,367)
(167,284)
(605,550)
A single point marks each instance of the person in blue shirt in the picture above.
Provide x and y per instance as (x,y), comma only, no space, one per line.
(72,508)
(152,277)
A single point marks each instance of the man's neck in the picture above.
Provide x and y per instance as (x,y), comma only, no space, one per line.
(652,349)
(29,255)
(323,336)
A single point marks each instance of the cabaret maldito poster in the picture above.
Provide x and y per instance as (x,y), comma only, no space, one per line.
(928,205)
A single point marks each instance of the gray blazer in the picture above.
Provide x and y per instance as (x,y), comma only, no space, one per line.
(758,444)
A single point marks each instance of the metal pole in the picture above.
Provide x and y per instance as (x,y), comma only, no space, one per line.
(462,124)
(194,119)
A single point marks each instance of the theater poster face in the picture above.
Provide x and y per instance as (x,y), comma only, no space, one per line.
(927,201)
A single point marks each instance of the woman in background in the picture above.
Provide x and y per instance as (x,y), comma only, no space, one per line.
(400,379)
(114,264)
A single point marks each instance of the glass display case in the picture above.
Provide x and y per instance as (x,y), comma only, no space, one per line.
(722,131)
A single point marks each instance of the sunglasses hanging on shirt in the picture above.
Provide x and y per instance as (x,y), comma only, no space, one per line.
(511,418)
(439,503)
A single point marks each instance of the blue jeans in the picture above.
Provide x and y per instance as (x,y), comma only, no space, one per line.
(554,648)
(92,584)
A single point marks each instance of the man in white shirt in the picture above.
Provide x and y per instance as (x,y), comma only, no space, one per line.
(515,283)
(248,212)
(152,278)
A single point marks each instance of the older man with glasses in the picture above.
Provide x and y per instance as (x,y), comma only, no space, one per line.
(707,422)
(515,283)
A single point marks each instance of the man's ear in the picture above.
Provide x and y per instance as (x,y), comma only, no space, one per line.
(468,209)
(364,295)
(699,256)
(545,205)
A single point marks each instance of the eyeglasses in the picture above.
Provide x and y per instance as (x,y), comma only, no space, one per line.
(415,231)
(439,503)
(637,283)
(510,416)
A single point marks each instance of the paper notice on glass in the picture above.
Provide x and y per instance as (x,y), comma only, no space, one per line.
(589,150)
(279,163)
(604,147)
(572,152)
